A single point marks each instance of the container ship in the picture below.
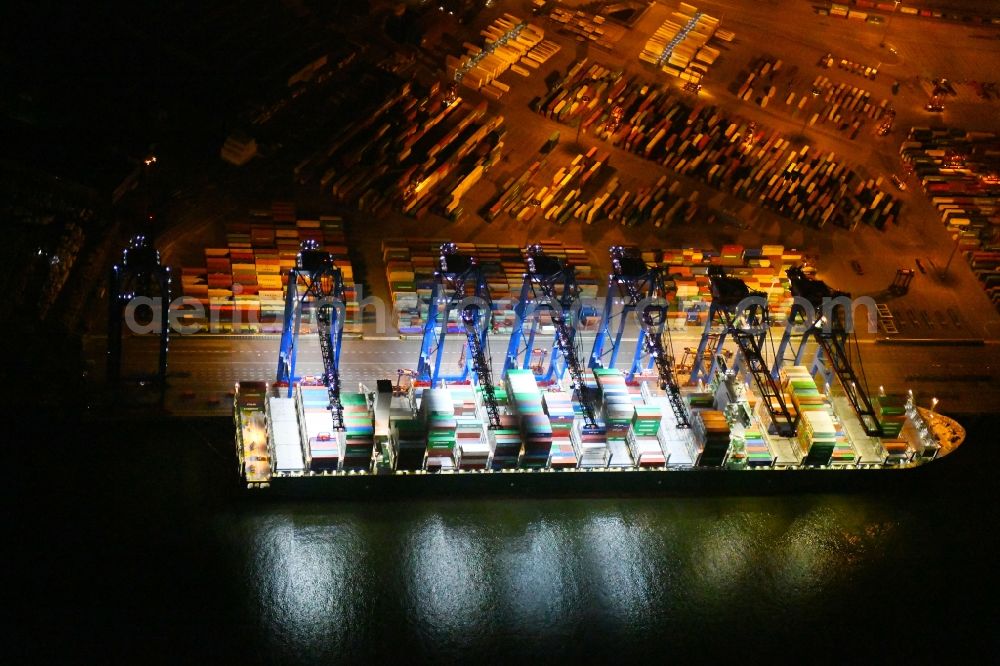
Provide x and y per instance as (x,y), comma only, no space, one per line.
(577,425)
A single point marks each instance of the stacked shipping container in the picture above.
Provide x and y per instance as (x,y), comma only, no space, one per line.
(246,281)
(679,46)
(712,430)
(643,436)
(509,43)
(438,413)
(285,434)
(699,140)
(960,172)
(559,407)
(323,452)
(411,264)
(359,431)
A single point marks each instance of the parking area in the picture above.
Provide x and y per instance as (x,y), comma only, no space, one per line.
(793,32)
(790,30)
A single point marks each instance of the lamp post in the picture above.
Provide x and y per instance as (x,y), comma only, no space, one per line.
(895,6)
(951,256)
(808,108)
(579,123)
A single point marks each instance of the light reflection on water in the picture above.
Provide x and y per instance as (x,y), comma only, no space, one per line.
(542,584)
(454,576)
(447,573)
(305,576)
(624,566)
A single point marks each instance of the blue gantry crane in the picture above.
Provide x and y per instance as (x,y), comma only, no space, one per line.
(642,290)
(139,274)
(324,290)
(550,286)
(727,292)
(804,290)
(828,326)
(460,286)
(743,315)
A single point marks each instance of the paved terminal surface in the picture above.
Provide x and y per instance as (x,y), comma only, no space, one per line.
(939,305)
(786,29)
(792,31)
(964,379)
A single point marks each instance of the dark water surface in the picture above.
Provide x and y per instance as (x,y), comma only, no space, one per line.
(143,551)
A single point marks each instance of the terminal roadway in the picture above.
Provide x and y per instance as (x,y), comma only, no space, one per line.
(204,368)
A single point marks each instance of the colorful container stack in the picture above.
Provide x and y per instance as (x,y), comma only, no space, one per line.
(897,450)
(533,425)
(712,429)
(359,431)
(324,451)
(536,435)
(801,393)
(399,273)
(843,452)
(285,435)
(592,449)
(506,442)
(957,170)
(806,398)
(762,269)
(642,438)
(334,241)
(473,447)
(411,263)
(891,414)
(220,283)
(757,452)
(616,402)
(799,382)
(559,407)
(473,452)
(618,408)
(817,437)
(245,282)
(571,255)
(438,412)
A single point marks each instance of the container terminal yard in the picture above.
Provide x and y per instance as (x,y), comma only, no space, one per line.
(553,330)
(502,168)
(566,413)
(663,340)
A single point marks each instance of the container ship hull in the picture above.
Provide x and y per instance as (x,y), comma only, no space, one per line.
(626,483)
(285,449)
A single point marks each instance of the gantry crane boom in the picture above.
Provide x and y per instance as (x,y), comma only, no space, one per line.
(662,359)
(324,284)
(643,290)
(733,300)
(828,327)
(457,272)
(139,274)
(545,272)
(331,370)
(481,366)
